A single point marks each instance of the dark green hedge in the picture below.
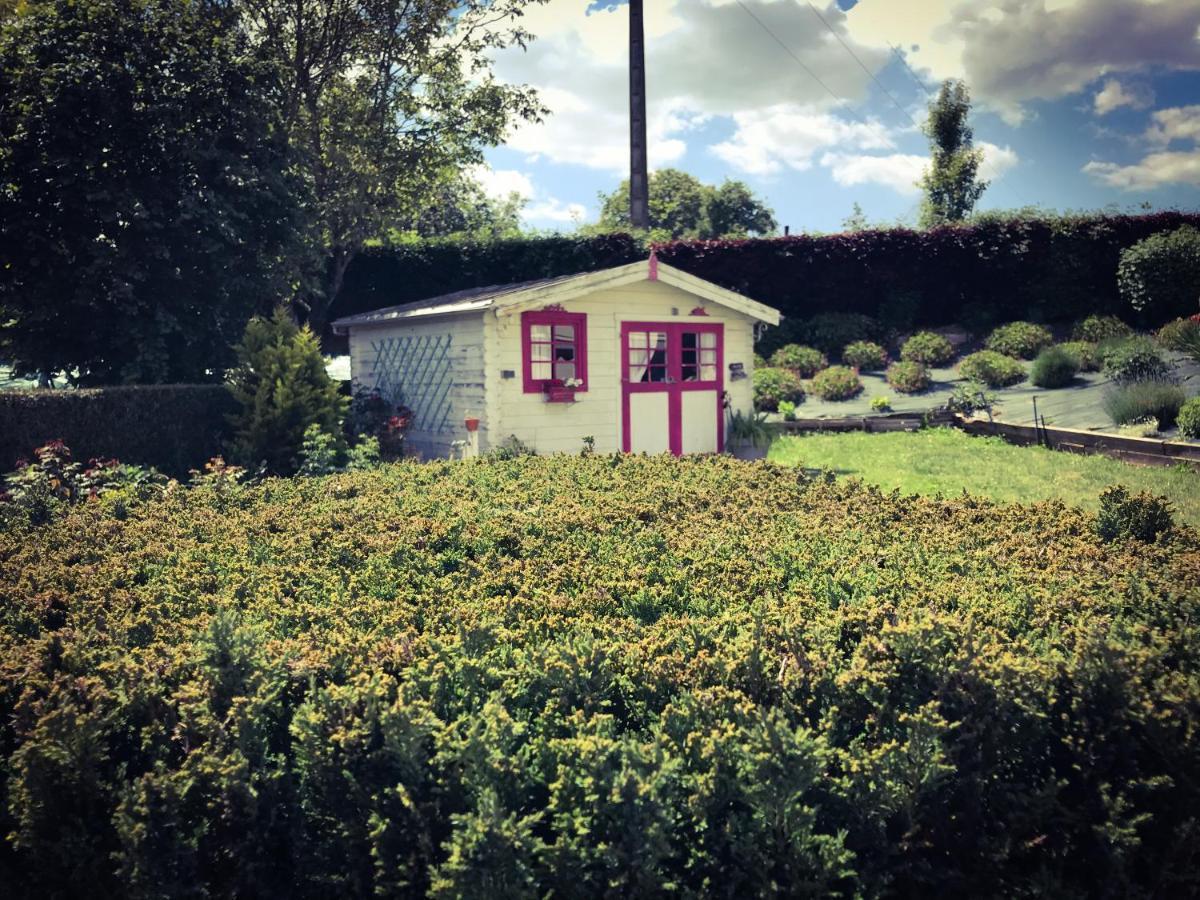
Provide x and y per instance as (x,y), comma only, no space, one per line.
(172,427)
(1044,269)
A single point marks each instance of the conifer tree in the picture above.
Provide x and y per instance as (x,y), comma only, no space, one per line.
(282,387)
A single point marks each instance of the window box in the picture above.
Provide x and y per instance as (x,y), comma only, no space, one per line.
(558,393)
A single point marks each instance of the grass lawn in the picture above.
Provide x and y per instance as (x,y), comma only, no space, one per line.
(942,460)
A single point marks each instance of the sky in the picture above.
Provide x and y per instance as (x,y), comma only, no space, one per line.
(1078,104)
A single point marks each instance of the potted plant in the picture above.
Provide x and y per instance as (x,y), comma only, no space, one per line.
(562,390)
(471,422)
(748,435)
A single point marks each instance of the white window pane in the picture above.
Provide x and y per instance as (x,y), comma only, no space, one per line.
(564,370)
(539,332)
(564,332)
(637,357)
(708,339)
(541,371)
(708,357)
(637,339)
(658,339)
(708,373)
(540,352)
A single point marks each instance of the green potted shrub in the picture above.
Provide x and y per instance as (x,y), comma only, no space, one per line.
(748,435)
(1020,340)
(927,348)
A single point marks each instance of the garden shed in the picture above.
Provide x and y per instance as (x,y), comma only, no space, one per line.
(641,357)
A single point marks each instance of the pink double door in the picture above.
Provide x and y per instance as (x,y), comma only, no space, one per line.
(672,385)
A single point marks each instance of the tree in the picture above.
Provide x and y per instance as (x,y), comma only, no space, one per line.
(857,220)
(459,207)
(282,388)
(681,206)
(145,205)
(380,99)
(950,183)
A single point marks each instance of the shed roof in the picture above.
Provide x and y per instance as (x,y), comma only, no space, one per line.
(524,294)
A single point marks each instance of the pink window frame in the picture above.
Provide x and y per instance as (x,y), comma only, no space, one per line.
(552,317)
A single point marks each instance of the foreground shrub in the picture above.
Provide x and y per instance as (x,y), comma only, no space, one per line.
(281,387)
(594,676)
(837,383)
(1053,368)
(1021,340)
(1188,418)
(865,356)
(994,369)
(971,397)
(908,377)
(1085,356)
(927,348)
(804,361)
(1095,329)
(1140,400)
(1142,517)
(772,386)
(1134,359)
(1181,335)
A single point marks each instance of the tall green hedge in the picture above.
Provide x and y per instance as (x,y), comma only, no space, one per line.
(1043,268)
(172,427)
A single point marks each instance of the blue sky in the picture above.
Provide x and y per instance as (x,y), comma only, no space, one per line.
(1080,104)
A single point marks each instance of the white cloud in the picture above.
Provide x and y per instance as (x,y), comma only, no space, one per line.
(554,210)
(500,183)
(769,140)
(1154,171)
(1162,166)
(902,171)
(540,208)
(1177,123)
(1114,95)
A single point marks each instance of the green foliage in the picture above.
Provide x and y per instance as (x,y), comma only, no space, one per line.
(319,452)
(866,356)
(1095,329)
(830,332)
(583,676)
(752,428)
(1142,517)
(681,206)
(908,377)
(951,183)
(460,208)
(1086,356)
(365,454)
(282,388)
(927,348)
(837,383)
(1054,368)
(1158,275)
(147,207)
(772,386)
(996,370)
(1181,335)
(512,447)
(1139,400)
(1134,359)
(881,404)
(1020,340)
(787,409)
(1188,418)
(168,427)
(971,397)
(804,361)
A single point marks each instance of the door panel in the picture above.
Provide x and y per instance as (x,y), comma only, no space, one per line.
(649,414)
(679,366)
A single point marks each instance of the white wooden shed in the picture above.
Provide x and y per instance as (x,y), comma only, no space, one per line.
(641,357)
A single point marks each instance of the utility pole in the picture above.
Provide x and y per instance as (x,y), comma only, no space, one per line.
(639,186)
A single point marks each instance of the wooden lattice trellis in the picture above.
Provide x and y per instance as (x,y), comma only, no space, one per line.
(417,372)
